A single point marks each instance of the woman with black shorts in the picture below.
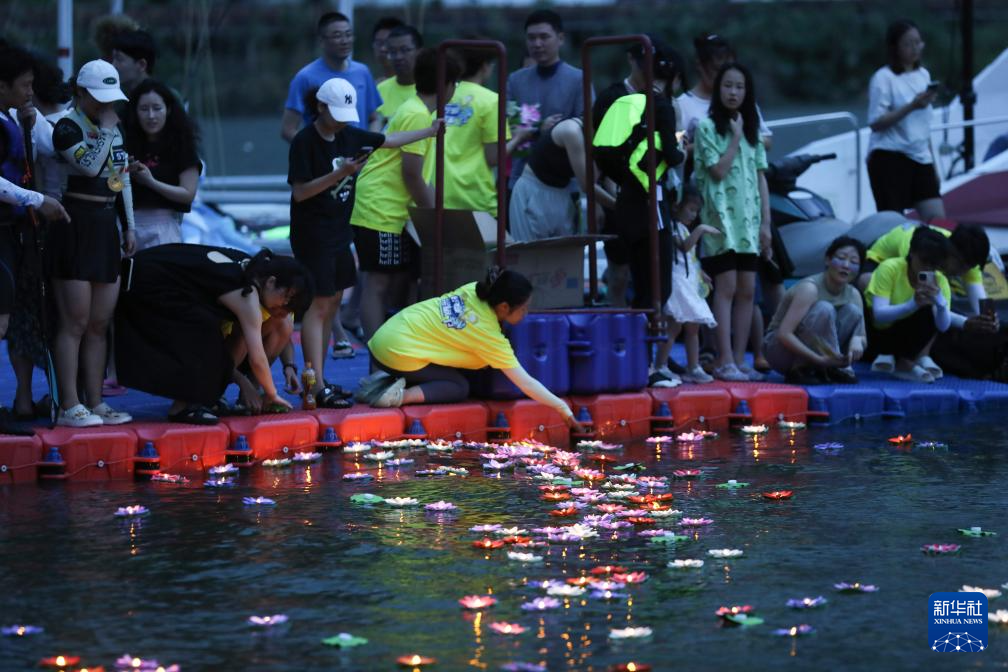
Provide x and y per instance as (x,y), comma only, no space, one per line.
(900,164)
(84,254)
(325,157)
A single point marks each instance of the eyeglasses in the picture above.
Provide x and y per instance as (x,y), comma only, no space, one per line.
(333,37)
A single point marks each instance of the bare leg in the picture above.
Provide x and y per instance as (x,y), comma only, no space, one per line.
(742,311)
(276,334)
(313,335)
(73,301)
(930,208)
(94,350)
(691,339)
(374,300)
(724,294)
(756,340)
(412,395)
(334,326)
(665,347)
(23,371)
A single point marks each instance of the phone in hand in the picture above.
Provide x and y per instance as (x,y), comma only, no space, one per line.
(926,277)
(987,307)
(364,153)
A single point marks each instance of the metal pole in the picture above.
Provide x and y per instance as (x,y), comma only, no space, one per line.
(589,132)
(439,153)
(64,37)
(968,96)
(117,7)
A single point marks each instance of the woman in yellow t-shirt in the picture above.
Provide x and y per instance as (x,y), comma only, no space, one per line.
(909,299)
(424,346)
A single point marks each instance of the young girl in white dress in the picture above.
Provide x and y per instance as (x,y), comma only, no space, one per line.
(687,309)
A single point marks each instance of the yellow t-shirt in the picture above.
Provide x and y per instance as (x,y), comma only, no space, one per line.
(457,329)
(227,326)
(896,243)
(393,95)
(471,123)
(890,280)
(382,198)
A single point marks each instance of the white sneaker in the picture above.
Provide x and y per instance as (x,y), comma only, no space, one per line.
(392,397)
(697,375)
(730,373)
(884,364)
(752,374)
(110,416)
(78,416)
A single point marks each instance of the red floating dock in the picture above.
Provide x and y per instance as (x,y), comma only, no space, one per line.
(769,402)
(529,419)
(184,449)
(268,435)
(19,456)
(617,418)
(689,403)
(361,423)
(466,421)
(94,454)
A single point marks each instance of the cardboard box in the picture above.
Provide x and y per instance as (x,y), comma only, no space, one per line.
(555,266)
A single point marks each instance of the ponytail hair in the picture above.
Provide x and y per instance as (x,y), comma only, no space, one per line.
(504,286)
(289,273)
(310,102)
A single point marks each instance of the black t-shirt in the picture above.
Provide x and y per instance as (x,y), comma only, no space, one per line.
(325,218)
(166,161)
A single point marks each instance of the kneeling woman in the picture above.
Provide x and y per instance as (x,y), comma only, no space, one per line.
(818,330)
(190,315)
(424,346)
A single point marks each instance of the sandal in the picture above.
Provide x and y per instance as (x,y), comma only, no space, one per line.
(930,366)
(194,415)
(328,397)
(337,390)
(762,365)
(342,350)
(884,364)
(917,374)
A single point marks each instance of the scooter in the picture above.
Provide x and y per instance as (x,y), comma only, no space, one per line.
(805,222)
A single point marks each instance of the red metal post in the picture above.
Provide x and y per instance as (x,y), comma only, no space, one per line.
(589,132)
(439,152)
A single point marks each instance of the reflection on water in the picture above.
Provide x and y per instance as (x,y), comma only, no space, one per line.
(180,583)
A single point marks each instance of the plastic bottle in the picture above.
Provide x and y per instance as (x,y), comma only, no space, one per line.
(307,383)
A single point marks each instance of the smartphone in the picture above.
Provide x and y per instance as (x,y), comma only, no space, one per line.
(987,307)
(364,153)
(926,277)
(933,86)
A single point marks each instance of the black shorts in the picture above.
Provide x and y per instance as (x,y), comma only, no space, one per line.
(87,247)
(8,266)
(898,182)
(332,269)
(383,252)
(729,261)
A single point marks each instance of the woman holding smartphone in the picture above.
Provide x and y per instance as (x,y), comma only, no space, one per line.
(325,157)
(908,301)
(900,163)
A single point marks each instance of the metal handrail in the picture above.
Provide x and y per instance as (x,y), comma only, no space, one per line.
(439,168)
(830,116)
(244,181)
(589,133)
(969,124)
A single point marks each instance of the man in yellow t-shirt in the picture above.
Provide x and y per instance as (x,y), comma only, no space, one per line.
(471,138)
(967,253)
(391,180)
(908,300)
(402,45)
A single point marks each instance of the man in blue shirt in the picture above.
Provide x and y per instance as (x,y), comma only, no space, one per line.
(336,37)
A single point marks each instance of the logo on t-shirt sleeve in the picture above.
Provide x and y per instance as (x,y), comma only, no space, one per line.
(453,311)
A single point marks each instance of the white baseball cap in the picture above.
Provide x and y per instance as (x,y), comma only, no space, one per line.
(341,98)
(101,80)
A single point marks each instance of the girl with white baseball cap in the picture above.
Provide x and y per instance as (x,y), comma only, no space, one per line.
(85,254)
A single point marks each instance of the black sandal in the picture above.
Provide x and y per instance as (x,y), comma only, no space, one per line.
(194,415)
(332,397)
(337,390)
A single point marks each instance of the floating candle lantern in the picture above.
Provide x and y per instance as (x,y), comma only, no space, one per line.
(901,439)
(695,522)
(401,501)
(725,552)
(630,633)
(487,544)
(18,630)
(366,498)
(598,445)
(169,478)
(607,595)
(395,463)
(831,448)
(357,476)
(807,602)
(541,604)
(303,457)
(976,532)
(59,661)
(791,424)
(989,593)
(440,505)
(607,569)
(476,602)
(258,501)
(509,531)
(1000,616)
(357,447)
(517,540)
(555,496)
(940,549)
(690,437)
(223,469)
(131,511)
(659,439)
(640,520)
(277,463)
(744,620)
(579,580)
(218,482)
(415,660)
(610,508)
(267,621)
(485,528)
(737,609)
(345,640)
(686,473)
(503,628)
(779,494)
(668,538)
(665,513)
(754,429)
(630,577)
(686,564)
(630,667)
(733,484)
(795,631)
(855,587)
(569,511)
(524,557)
(566,591)
(379,456)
